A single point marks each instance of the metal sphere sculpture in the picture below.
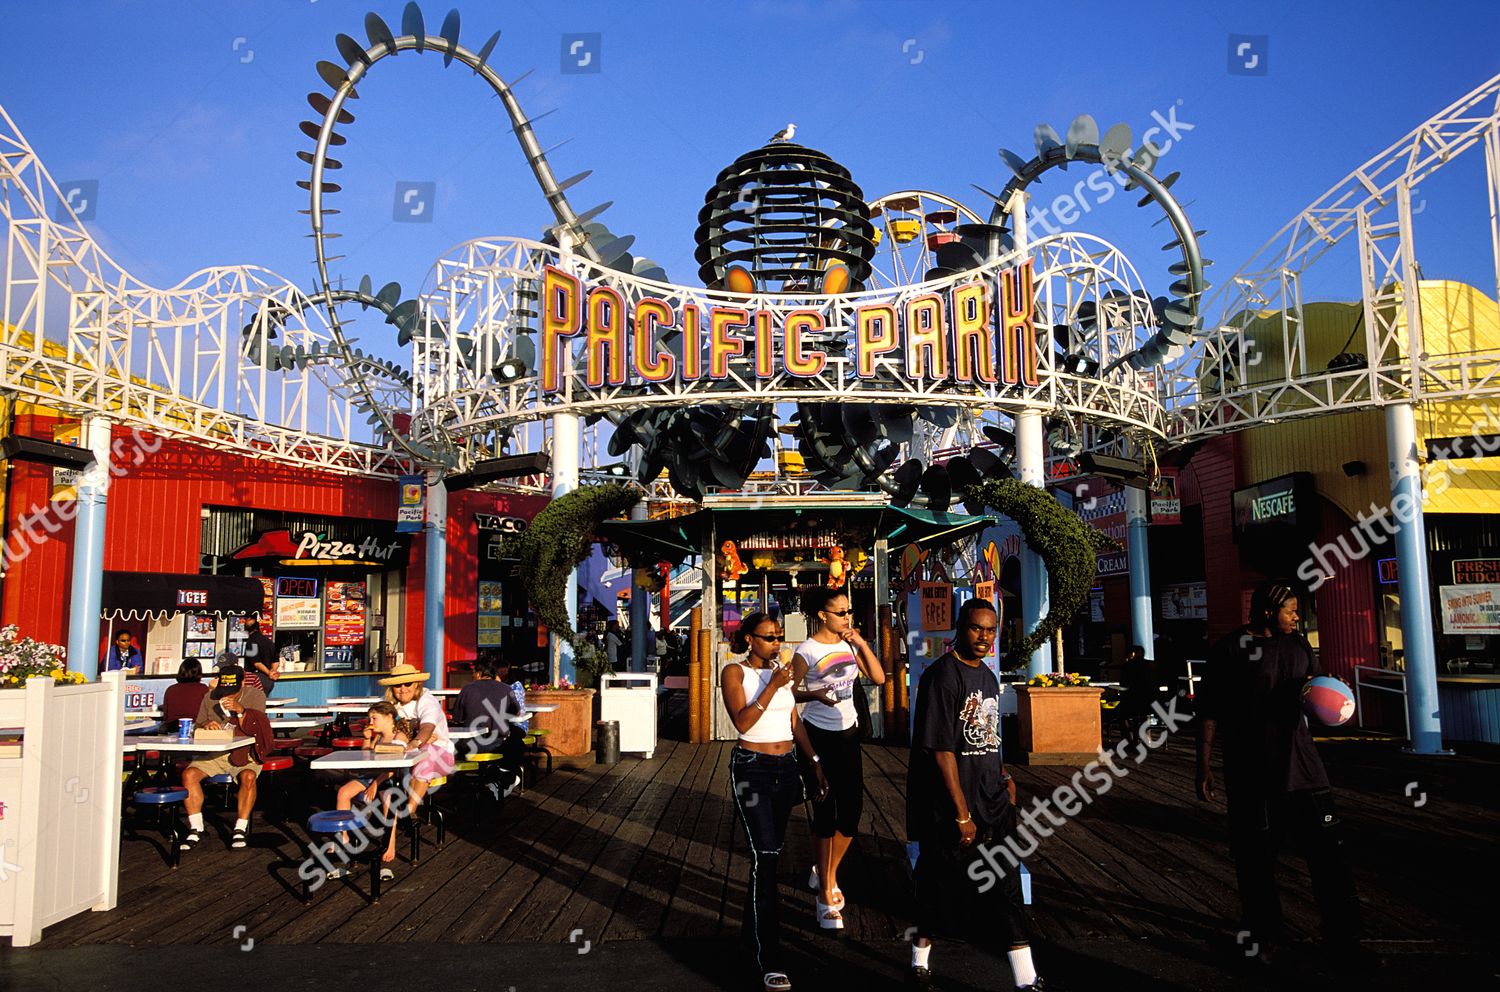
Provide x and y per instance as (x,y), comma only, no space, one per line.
(784,214)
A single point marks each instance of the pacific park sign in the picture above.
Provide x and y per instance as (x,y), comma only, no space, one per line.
(979,331)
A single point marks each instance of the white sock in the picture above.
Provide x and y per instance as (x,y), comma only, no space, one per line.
(1021,966)
(242,825)
(919,955)
(195,821)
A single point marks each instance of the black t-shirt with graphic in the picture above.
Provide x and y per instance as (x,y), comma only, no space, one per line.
(958,710)
(1252,687)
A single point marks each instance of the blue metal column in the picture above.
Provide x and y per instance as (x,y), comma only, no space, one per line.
(435,602)
(1411,563)
(1031,465)
(1136,514)
(87,587)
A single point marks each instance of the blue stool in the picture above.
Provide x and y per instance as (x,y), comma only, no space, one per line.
(331,823)
(159,797)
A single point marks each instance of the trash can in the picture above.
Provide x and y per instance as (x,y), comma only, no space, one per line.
(629,698)
(607,741)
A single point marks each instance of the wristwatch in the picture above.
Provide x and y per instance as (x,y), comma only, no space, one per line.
(816,759)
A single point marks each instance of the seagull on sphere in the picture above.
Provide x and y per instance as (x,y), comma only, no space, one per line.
(785,134)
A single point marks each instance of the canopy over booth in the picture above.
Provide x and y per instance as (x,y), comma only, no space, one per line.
(673,539)
(140,596)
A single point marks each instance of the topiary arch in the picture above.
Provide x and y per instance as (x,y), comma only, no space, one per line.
(1065,544)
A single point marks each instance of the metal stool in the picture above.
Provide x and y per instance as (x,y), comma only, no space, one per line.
(331,823)
(159,797)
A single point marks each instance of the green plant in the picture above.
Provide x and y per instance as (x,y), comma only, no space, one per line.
(1063,541)
(557,542)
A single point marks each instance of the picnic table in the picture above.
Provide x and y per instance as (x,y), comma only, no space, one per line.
(368,764)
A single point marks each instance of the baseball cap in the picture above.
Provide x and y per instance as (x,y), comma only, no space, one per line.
(231,679)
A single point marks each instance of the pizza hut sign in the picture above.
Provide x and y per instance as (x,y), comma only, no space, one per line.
(313,547)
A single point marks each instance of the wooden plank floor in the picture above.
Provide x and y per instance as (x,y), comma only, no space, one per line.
(652,849)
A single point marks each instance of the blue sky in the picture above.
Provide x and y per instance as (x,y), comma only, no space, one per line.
(186,113)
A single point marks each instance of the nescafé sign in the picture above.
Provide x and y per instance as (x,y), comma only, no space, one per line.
(981,331)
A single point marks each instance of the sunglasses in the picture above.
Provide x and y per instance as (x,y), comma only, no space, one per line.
(838,613)
(767,637)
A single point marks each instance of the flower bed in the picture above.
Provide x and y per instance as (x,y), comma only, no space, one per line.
(23,658)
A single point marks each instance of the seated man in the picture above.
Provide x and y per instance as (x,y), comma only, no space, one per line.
(487,705)
(242,708)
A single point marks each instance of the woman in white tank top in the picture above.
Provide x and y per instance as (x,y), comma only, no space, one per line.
(766,778)
(828,666)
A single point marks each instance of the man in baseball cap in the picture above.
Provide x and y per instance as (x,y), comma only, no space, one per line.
(232,702)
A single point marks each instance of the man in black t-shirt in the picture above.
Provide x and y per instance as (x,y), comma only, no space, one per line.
(958,796)
(1251,700)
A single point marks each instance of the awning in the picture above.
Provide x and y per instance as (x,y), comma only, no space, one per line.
(675,538)
(141,596)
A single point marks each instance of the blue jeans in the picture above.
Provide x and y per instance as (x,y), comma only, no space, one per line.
(766,788)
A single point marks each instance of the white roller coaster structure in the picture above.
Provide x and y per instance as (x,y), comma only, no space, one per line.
(83,336)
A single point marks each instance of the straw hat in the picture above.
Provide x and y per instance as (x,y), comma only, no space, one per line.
(405,675)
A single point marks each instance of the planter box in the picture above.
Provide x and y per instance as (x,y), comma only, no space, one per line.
(570,728)
(1059,726)
(60,832)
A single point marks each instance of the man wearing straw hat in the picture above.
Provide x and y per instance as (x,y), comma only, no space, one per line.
(422,711)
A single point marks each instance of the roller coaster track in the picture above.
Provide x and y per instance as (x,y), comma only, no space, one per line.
(1213,389)
(83,336)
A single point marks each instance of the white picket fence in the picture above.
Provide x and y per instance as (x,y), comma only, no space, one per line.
(60,831)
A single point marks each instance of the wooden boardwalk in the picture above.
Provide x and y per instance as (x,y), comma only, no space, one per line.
(653,850)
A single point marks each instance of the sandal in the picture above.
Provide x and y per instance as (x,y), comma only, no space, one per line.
(828,917)
(775,981)
(838,893)
(238,840)
(189,841)
(386,875)
(335,873)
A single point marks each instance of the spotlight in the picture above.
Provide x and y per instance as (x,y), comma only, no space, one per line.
(1122,470)
(505,467)
(1079,365)
(508,370)
(618,470)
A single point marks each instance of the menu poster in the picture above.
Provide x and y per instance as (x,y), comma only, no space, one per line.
(345,623)
(268,607)
(200,627)
(1472,608)
(299,614)
(491,617)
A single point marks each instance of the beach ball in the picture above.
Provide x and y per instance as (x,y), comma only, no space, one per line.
(1328,700)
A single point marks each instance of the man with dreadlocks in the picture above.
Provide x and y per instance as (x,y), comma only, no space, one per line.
(1251,701)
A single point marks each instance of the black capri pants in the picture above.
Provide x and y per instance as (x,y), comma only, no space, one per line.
(843,765)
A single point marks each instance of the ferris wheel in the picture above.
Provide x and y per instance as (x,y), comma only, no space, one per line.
(910,227)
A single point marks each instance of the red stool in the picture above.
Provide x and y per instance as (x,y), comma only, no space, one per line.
(348,742)
(274,764)
(312,753)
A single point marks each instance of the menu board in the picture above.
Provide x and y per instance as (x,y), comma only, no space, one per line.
(345,623)
(491,617)
(268,608)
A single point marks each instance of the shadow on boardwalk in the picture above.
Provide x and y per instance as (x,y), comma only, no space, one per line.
(633,877)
